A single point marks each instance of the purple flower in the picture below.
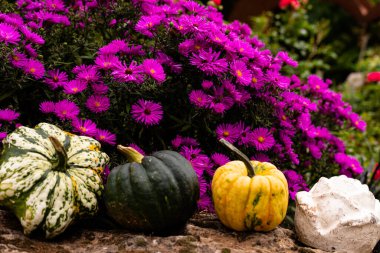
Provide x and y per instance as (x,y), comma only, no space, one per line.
(304,122)
(262,139)
(245,134)
(31,51)
(227,131)
(31,36)
(190,46)
(260,157)
(18,59)
(314,150)
(258,80)
(209,62)
(203,185)
(74,87)
(278,80)
(113,47)
(147,24)
(84,127)
(105,136)
(55,78)
(199,98)
(8,34)
(177,141)
(205,203)
(55,5)
(59,19)
(88,74)
(106,62)
(219,159)
(99,89)
(192,24)
(147,112)
(131,73)
(283,57)
(243,48)
(220,101)
(135,146)
(66,109)
(154,69)
(34,68)
(8,115)
(296,183)
(199,161)
(316,84)
(98,103)
(47,107)
(12,19)
(191,142)
(350,166)
(112,23)
(357,122)
(3,135)
(240,71)
(207,84)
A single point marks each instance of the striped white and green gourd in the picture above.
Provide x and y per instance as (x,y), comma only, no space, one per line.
(49,177)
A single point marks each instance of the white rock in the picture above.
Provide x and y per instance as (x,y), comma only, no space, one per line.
(354,81)
(338,214)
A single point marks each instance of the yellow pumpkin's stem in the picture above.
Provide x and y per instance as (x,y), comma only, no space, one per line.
(242,157)
(62,155)
(130,153)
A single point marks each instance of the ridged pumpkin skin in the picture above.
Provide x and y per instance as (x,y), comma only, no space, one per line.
(41,189)
(250,203)
(156,195)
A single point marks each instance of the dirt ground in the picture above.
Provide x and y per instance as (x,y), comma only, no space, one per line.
(203,233)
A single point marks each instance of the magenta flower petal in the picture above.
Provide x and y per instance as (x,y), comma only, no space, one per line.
(66,109)
(74,87)
(199,98)
(128,73)
(84,127)
(105,136)
(8,34)
(219,159)
(55,79)
(154,69)
(240,71)
(34,68)
(147,112)
(8,115)
(98,103)
(228,131)
(262,139)
(3,135)
(47,107)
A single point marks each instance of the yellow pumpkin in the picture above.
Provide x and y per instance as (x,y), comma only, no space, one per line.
(249,195)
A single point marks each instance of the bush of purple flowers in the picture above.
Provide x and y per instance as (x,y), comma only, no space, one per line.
(168,74)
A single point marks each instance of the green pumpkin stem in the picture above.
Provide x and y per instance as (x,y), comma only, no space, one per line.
(62,155)
(242,157)
(130,153)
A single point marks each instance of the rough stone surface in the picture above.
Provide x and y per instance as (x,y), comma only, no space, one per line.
(204,233)
(338,214)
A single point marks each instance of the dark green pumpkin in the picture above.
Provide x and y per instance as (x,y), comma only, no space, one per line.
(154,193)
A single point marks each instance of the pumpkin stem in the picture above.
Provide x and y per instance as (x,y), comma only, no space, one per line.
(242,157)
(130,153)
(62,155)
